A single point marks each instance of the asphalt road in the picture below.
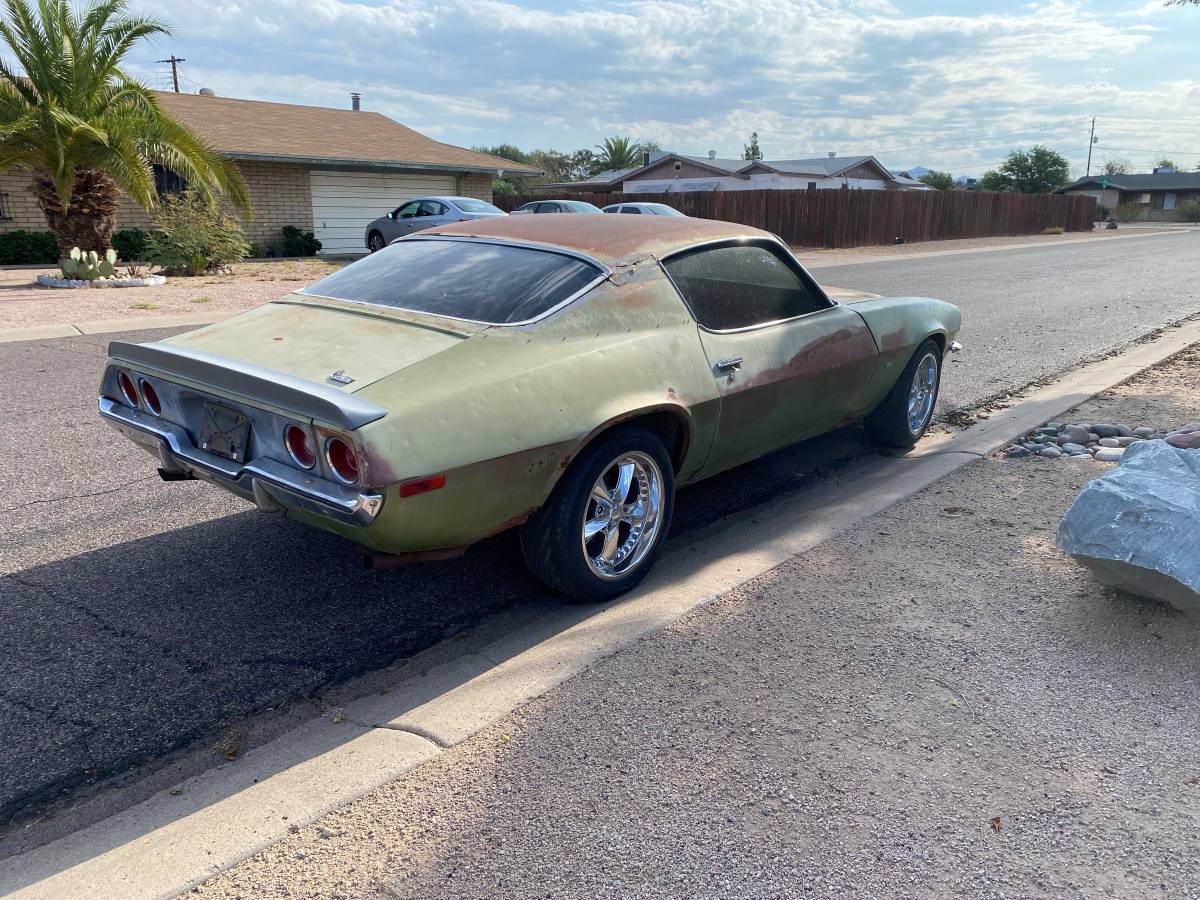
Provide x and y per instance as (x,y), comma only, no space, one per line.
(138,618)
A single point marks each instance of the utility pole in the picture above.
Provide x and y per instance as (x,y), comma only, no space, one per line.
(175,60)
(1091,141)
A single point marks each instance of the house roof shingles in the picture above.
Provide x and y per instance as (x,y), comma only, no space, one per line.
(1165,181)
(257,129)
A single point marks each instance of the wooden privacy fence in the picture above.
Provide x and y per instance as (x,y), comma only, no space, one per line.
(857,218)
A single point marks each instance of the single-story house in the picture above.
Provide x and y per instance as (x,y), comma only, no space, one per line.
(1159,194)
(662,173)
(329,171)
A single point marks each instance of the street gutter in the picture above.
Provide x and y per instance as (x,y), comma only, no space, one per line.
(181,837)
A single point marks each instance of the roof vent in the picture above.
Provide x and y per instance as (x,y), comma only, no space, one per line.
(1164,170)
(356,102)
(207,92)
(832,154)
(712,154)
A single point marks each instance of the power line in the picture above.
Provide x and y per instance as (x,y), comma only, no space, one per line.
(174,61)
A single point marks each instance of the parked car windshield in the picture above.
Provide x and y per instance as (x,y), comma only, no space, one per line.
(482,282)
(466,204)
(661,209)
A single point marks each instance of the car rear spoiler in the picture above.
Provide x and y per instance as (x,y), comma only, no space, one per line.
(311,399)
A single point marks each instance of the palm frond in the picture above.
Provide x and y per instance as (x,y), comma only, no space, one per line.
(75,110)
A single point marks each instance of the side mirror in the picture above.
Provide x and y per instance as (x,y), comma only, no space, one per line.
(392,214)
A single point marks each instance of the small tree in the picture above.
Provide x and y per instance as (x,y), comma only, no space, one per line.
(751,150)
(1038,171)
(617,153)
(942,181)
(1116,167)
(192,235)
(506,151)
(86,130)
(1189,210)
(1166,164)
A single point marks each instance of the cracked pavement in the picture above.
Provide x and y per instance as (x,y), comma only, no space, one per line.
(143,618)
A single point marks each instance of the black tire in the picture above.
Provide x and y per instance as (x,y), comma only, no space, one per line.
(888,423)
(375,241)
(552,540)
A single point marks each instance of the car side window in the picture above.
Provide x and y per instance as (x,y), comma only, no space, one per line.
(430,208)
(408,210)
(631,209)
(550,208)
(742,285)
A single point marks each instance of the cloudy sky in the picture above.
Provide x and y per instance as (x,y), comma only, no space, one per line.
(916,82)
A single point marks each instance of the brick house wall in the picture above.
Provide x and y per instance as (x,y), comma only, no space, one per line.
(279,195)
(475,184)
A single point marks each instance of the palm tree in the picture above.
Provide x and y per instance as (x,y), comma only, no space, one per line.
(86,129)
(617,153)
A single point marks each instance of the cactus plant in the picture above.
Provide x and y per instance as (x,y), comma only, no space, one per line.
(88,265)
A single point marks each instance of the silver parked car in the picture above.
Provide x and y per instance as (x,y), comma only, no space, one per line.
(556,206)
(426,212)
(642,209)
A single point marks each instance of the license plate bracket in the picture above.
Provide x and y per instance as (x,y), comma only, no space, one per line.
(225,432)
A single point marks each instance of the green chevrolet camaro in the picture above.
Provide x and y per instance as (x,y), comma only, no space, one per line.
(563,374)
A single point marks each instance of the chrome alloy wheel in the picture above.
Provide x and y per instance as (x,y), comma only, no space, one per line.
(922,393)
(622,516)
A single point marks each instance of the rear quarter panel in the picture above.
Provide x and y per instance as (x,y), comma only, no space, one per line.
(505,412)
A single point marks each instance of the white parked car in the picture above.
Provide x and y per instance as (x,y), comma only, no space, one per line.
(642,209)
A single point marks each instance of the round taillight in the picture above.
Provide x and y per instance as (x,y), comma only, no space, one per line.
(299,447)
(150,397)
(128,389)
(342,460)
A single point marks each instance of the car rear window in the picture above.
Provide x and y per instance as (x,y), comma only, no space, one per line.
(475,206)
(483,282)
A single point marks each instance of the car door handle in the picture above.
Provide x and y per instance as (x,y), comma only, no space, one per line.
(730,364)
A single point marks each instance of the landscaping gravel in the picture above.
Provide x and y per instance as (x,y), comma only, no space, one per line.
(938,704)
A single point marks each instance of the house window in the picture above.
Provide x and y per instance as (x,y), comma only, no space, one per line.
(678,165)
(4,210)
(167,181)
(1169,200)
(812,185)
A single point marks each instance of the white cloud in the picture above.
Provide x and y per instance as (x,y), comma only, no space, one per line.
(948,90)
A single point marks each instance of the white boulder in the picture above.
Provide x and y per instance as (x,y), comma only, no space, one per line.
(1137,528)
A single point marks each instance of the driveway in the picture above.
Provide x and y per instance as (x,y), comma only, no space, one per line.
(143,618)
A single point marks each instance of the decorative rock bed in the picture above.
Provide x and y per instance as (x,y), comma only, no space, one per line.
(1102,441)
(115,282)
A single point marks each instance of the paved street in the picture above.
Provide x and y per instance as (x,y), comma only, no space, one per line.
(140,617)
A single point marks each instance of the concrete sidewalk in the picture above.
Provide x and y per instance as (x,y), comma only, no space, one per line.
(936,704)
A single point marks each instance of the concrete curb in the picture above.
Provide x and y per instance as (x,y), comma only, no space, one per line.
(175,840)
(107,326)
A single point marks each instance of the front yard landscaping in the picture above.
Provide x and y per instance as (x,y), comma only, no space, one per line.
(23,302)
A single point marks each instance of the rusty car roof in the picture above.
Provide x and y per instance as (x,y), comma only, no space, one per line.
(610,239)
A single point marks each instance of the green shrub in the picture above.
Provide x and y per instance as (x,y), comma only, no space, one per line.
(28,248)
(1189,210)
(1127,212)
(192,235)
(1054,229)
(299,243)
(130,243)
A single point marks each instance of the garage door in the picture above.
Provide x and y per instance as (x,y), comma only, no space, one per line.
(344,202)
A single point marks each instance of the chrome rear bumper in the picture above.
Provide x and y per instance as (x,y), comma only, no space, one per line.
(262,480)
